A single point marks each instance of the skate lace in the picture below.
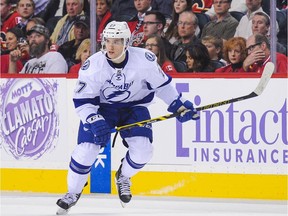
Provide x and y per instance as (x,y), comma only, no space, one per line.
(70,198)
(124,185)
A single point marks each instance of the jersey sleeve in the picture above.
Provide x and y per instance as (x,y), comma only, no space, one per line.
(155,76)
(87,91)
(160,81)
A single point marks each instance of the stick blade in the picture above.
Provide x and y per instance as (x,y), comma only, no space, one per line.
(267,73)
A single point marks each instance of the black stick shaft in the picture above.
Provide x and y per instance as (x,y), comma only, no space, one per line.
(221,103)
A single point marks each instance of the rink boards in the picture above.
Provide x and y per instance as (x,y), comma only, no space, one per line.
(234,151)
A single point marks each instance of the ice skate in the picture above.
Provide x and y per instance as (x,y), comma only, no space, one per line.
(123,187)
(65,203)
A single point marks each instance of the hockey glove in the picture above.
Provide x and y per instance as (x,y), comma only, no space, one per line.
(185,107)
(98,126)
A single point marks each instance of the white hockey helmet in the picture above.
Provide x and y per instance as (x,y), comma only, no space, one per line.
(115,29)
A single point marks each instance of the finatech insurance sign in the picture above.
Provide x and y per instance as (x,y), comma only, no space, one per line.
(29,119)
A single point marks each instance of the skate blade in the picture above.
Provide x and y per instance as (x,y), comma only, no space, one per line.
(62,211)
(123,204)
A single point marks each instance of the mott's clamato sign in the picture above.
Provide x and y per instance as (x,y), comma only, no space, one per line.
(29,122)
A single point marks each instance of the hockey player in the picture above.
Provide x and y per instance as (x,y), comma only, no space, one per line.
(114,88)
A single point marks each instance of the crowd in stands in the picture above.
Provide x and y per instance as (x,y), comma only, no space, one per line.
(192,36)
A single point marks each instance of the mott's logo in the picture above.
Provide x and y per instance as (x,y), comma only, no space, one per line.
(29,122)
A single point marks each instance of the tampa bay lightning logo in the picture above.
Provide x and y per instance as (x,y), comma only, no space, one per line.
(86,65)
(118,90)
(150,56)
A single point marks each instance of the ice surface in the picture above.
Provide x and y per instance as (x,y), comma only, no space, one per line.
(39,204)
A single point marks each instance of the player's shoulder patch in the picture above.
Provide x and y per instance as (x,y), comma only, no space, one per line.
(86,65)
(150,56)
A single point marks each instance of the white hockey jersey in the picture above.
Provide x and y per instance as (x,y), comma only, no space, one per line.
(134,84)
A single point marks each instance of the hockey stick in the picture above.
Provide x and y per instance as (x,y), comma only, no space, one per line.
(266,75)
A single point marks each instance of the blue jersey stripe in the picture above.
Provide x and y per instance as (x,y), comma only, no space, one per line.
(79,102)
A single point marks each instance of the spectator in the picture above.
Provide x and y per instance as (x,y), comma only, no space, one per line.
(198,59)
(261,25)
(9,17)
(154,23)
(236,5)
(214,46)
(44,61)
(225,25)
(12,37)
(244,28)
(64,29)
(136,23)
(24,46)
(187,26)
(81,32)
(104,16)
(86,7)
(155,44)
(234,53)
(33,21)
(178,7)
(258,49)
(25,9)
(82,54)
